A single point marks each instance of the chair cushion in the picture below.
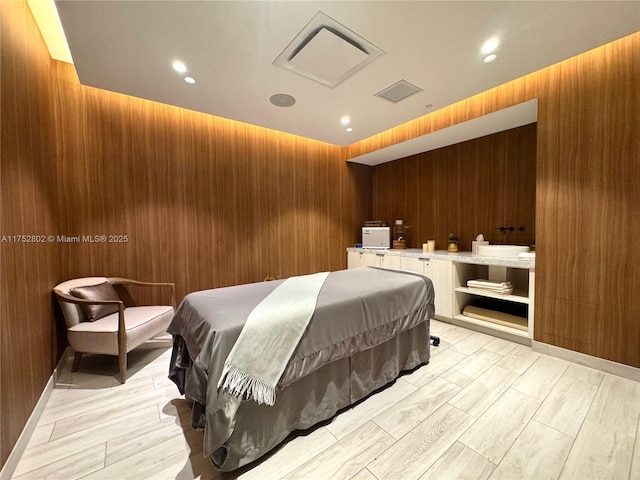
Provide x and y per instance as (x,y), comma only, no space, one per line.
(102,291)
(101,336)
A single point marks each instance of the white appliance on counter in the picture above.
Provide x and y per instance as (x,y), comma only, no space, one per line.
(376,238)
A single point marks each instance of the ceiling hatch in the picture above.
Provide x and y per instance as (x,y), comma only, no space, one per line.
(327,52)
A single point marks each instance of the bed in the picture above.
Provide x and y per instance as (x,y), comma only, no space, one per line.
(369,325)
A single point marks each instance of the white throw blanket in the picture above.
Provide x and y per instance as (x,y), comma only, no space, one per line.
(269,338)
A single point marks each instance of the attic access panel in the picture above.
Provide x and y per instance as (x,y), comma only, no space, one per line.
(327,52)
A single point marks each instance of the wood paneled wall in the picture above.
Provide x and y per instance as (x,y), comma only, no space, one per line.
(205,202)
(465,189)
(588,202)
(587,193)
(28,180)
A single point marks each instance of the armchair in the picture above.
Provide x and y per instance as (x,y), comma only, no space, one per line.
(98,322)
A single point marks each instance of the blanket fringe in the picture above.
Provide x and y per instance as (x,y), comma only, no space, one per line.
(243,385)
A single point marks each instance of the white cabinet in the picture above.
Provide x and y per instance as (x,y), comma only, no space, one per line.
(368,258)
(442,278)
(441,274)
(450,273)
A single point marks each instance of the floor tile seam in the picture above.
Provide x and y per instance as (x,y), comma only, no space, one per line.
(573,442)
(477,374)
(169,438)
(583,418)
(97,425)
(425,419)
(103,420)
(103,401)
(338,440)
(417,424)
(600,426)
(443,373)
(68,412)
(585,381)
(185,450)
(634,459)
(518,436)
(83,449)
(552,387)
(494,401)
(600,387)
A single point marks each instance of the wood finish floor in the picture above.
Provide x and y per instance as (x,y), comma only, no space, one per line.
(483,408)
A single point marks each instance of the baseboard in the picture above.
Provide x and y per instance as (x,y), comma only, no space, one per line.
(614,368)
(18,449)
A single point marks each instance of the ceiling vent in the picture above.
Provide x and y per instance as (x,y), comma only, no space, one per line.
(327,52)
(398,91)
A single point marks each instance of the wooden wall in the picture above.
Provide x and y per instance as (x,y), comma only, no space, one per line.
(28,206)
(466,189)
(587,193)
(205,202)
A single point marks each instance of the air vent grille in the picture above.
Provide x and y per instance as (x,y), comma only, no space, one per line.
(327,52)
(398,91)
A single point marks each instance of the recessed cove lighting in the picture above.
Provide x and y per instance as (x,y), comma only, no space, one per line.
(179,66)
(490,58)
(190,80)
(489,46)
(349,129)
(345,120)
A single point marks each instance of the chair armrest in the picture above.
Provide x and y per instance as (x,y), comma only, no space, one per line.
(128,281)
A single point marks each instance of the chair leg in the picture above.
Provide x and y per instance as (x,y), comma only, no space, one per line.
(76,361)
(122,360)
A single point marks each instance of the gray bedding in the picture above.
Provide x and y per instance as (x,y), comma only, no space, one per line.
(357,310)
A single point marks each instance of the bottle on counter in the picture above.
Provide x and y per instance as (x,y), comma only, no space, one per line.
(399,238)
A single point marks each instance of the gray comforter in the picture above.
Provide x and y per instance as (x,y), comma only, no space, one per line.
(357,309)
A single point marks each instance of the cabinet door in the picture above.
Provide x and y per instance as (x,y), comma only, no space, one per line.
(355,259)
(372,259)
(415,264)
(442,278)
(391,261)
(411,263)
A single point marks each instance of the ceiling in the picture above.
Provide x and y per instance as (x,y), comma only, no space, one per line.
(229,48)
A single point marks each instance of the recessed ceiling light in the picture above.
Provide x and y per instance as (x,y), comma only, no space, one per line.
(345,120)
(179,66)
(489,46)
(349,129)
(490,58)
(282,100)
(190,80)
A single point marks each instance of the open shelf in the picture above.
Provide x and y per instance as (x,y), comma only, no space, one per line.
(523,295)
(494,326)
(519,296)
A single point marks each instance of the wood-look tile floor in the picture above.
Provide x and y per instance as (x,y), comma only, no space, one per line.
(483,408)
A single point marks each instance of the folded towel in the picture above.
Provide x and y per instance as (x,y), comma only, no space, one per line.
(527,256)
(502,291)
(504,288)
(488,284)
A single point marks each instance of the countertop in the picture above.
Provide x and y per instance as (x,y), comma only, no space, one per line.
(462,257)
